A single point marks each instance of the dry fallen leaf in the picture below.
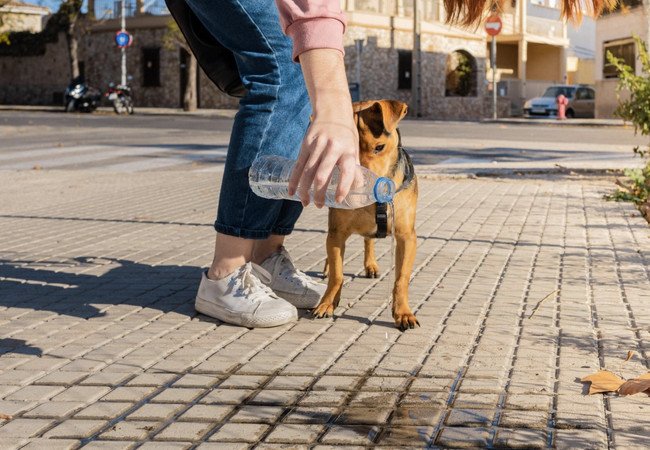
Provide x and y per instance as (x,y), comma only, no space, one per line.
(630,354)
(603,381)
(5,416)
(634,386)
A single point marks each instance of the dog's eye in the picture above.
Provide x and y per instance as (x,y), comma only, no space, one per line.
(379,148)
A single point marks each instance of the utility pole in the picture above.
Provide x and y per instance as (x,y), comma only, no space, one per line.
(358,43)
(416,63)
(123,49)
(493,63)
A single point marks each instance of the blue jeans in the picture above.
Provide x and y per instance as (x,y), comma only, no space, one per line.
(272,117)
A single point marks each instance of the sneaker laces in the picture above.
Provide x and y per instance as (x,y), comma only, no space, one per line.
(287,265)
(251,286)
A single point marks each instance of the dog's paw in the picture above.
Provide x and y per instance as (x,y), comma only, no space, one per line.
(406,321)
(372,271)
(323,310)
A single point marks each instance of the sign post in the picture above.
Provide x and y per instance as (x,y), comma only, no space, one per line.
(493,27)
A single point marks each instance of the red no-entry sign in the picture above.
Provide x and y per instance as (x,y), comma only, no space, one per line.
(493,25)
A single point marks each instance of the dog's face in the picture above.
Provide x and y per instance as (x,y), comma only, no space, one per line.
(377,122)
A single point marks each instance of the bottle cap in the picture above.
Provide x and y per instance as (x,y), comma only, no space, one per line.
(384,190)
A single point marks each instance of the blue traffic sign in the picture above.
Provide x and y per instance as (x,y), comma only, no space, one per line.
(123,39)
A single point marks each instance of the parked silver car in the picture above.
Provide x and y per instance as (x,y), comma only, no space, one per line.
(582,102)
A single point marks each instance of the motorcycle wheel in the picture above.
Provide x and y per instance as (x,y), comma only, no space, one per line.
(117,107)
(129,107)
(70,106)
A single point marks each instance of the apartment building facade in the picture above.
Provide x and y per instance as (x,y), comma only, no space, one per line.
(615,32)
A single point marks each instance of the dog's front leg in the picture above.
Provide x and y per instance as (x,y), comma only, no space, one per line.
(369,260)
(404,258)
(335,252)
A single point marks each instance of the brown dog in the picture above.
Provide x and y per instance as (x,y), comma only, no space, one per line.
(378,151)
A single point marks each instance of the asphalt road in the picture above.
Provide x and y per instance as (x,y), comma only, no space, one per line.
(54,140)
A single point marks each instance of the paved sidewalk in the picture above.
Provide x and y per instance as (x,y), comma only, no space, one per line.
(100,345)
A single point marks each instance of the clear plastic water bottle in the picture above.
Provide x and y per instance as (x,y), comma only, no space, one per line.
(269,178)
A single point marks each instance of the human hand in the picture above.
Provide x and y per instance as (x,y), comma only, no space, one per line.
(332,139)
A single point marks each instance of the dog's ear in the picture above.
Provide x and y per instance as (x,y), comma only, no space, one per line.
(381,115)
(392,112)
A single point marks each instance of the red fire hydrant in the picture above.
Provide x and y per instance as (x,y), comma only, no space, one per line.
(562,103)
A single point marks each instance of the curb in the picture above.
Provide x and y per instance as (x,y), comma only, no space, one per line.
(596,123)
(220,113)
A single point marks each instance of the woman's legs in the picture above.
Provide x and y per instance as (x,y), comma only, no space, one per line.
(272,119)
(231,252)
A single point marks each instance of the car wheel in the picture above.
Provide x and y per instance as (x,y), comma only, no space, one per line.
(570,114)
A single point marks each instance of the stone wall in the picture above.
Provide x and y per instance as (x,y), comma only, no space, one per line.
(379,70)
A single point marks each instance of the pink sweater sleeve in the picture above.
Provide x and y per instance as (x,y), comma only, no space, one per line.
(312,24)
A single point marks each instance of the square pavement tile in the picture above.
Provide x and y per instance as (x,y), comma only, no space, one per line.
(226,396)
(109,445)
(177,395)
(129,430)
(104,410)
(75,428)
(310,414)
(206,413)
(24,428)
(258,414)
(418,436)
(240,432)
(462,437)
(165,446)
(184,431)
(364,415)
(53,410)
(290,382)
(52,444)
(574,439)
(520,438)
(276,397)
(156,411)
(294,434)
(357,435)
(416,415)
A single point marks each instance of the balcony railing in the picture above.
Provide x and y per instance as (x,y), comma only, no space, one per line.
(111,9)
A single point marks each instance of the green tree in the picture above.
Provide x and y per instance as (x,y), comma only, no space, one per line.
(172,40)
(4,35)
(634,108)
(71,16)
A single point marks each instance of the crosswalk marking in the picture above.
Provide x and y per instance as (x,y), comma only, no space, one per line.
(113,158)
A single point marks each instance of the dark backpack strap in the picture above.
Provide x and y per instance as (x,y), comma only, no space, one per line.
(217,61)
(381,218)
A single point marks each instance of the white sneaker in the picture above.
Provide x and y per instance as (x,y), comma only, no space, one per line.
(243,299)
(291,284)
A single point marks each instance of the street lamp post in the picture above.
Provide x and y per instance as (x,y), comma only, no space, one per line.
(123,49)
(358,44)
(416,62)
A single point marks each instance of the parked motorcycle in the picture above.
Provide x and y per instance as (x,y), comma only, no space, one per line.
(121,97)
(79,96)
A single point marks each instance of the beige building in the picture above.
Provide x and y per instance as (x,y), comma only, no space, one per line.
(615,33)
(531,50)
(19,16)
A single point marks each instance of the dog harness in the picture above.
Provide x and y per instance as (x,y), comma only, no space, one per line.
(381,211)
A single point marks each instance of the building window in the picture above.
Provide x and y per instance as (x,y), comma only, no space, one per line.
(547,3)
(461,75)
(625,50)
(376,6)
(151,67)
(404,67)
